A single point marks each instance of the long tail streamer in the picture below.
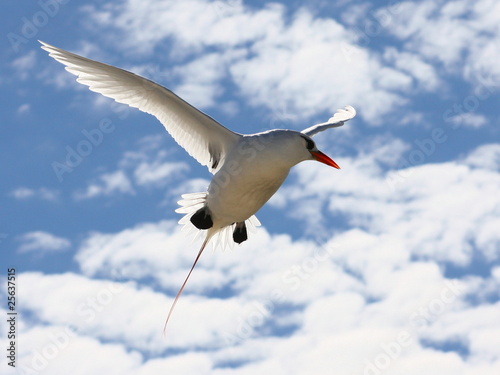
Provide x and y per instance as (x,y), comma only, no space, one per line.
(185,281)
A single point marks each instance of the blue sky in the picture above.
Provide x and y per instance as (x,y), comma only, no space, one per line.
(389,265)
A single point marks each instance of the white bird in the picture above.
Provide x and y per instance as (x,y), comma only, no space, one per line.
(248,169)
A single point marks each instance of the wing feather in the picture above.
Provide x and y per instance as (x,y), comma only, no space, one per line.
(338,119)
(200,135)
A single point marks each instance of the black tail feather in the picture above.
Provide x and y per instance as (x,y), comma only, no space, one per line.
(240,233)
(202,219)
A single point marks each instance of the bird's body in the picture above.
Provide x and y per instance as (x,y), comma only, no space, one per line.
(248,169)
(251,174)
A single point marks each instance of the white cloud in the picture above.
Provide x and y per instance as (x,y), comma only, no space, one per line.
(341,330)
(486,156)
(42,242)
(461,35)
(158,173)
(400,225)
(310,65)
(471,119)
(436,210)
(423,73)
(147,165)
(55,349)
(103,308)
(22,193)
(25,64)
(307,64)
(41,193)
(109,184)
(23,108)
(384,149)
(372,293)
(201,79)
(369,291)
(59,349)
(157,21)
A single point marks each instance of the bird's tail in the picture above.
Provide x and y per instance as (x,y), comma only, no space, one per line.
(209,235)
(223,237)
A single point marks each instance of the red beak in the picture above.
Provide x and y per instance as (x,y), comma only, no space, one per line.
(319,156)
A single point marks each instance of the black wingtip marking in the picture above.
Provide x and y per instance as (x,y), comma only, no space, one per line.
(215,155)
(240,233)
(202,219)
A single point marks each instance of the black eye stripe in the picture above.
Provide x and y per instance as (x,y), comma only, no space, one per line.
(310,143)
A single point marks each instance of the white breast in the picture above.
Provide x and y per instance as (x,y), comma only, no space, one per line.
(250,176)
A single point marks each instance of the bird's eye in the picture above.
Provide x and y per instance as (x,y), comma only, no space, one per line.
(310,144)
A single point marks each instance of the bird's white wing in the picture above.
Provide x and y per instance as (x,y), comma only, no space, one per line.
(338,119)
(201,136)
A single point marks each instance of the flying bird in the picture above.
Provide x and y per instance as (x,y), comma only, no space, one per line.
(248,168)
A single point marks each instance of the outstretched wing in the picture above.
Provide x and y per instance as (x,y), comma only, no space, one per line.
(201,136)
(338,119)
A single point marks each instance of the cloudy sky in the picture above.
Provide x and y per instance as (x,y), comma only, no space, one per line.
(390,265)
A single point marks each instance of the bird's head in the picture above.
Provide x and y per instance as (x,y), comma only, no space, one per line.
(316,154)
(288,148)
